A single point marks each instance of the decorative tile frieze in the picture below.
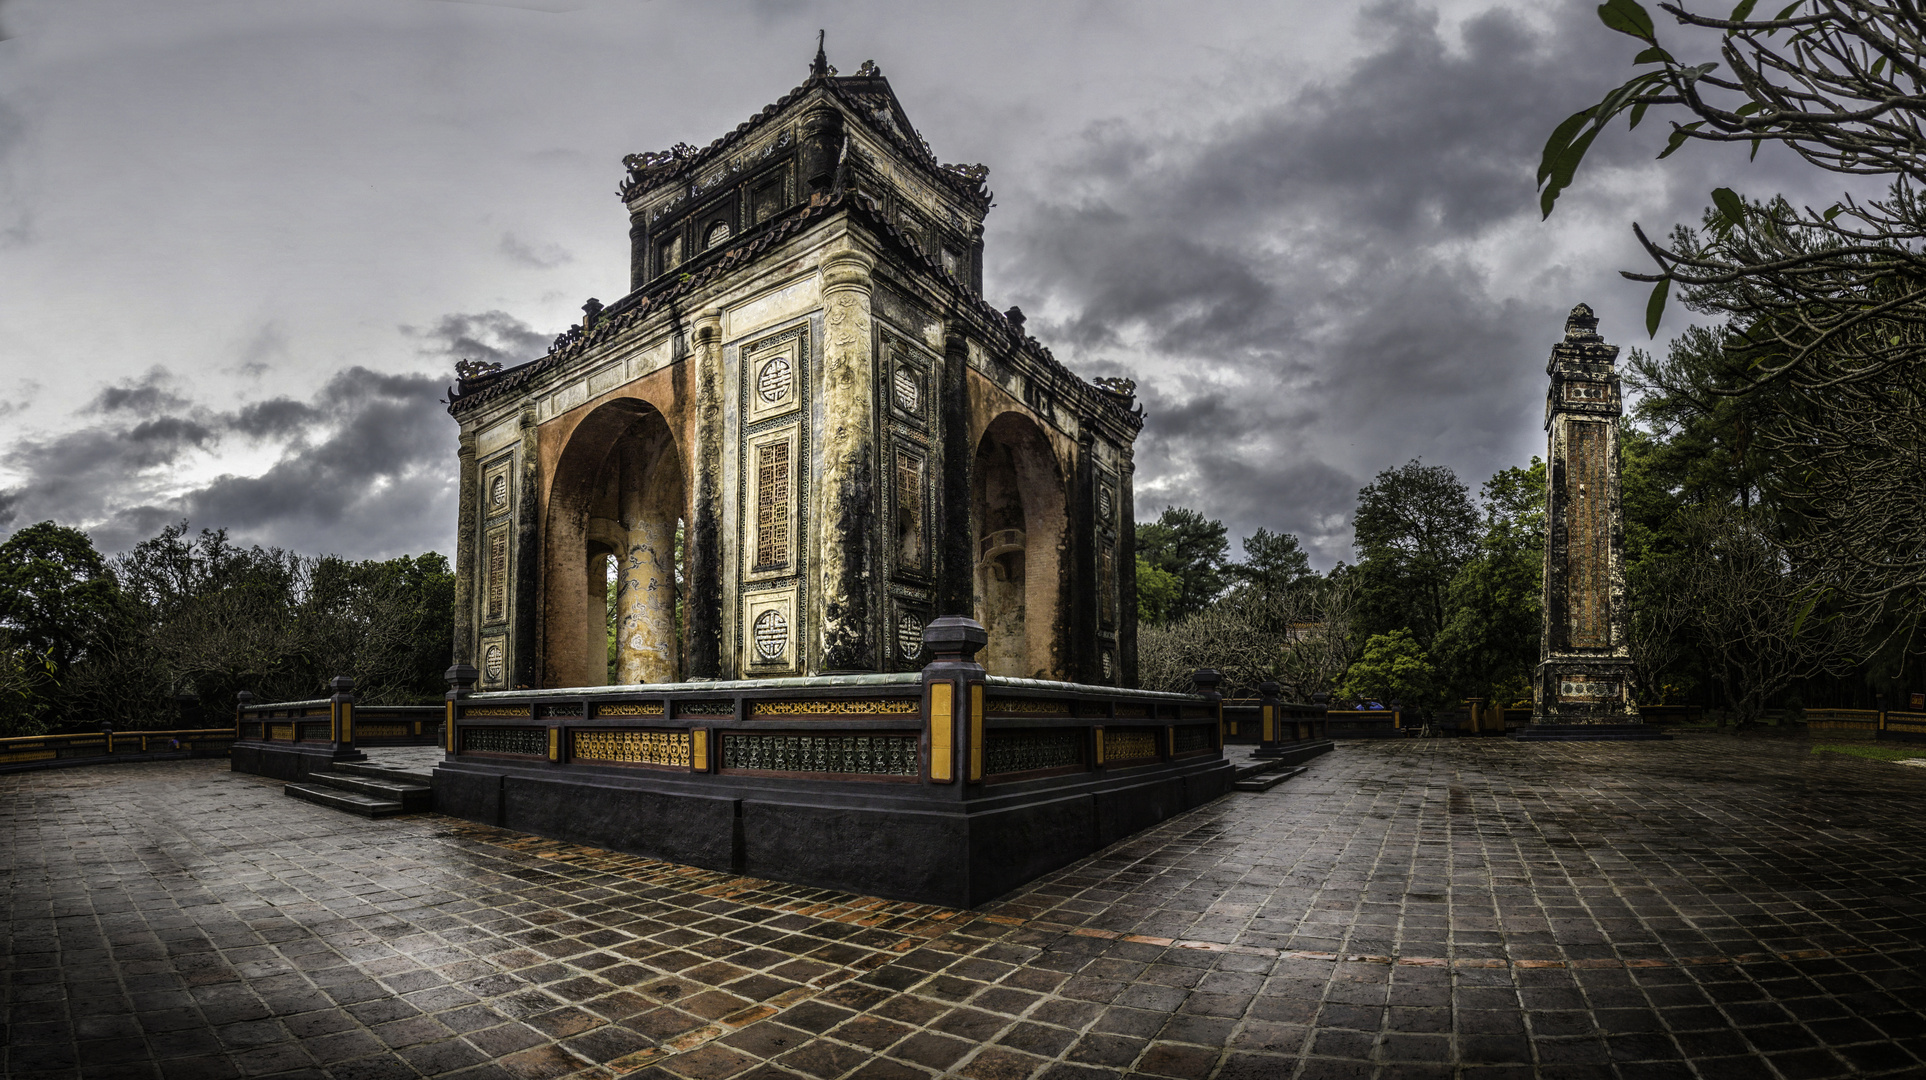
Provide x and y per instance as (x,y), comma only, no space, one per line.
(631,747)
(633,708)
(526,741)
(1192,737)
(863,755)
(1027,751)
(1129,744)
(850,707)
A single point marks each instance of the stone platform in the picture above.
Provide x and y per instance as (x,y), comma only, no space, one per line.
(1423,908)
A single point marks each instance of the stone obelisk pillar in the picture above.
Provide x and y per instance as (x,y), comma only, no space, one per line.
(1584,684)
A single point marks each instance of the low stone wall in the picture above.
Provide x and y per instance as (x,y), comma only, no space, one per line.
(288,740)
(949,786)
(101,747)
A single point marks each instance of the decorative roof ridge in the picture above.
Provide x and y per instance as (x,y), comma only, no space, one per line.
(650,169)
(605,323)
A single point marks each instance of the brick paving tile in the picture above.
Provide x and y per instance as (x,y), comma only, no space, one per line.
(1709,907)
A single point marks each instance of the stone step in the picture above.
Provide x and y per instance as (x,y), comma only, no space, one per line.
(411,796)
(395,773)
(352,802)
(1266,781)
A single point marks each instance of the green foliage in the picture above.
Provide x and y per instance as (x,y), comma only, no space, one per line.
(1273,562)
(1393,670)
(1157,593)
(1191,548)
(92,640)
(1489,645)
(56,599)
(1415,527)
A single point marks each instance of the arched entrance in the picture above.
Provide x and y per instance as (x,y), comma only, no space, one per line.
(614,521)
(1018,507)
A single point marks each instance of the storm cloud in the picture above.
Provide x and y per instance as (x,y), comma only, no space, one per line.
(239,242)
(364,466)
(1344,278)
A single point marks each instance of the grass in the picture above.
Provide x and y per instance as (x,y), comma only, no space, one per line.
(1872,750)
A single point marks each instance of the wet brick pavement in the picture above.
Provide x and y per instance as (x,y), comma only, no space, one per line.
(1710,907)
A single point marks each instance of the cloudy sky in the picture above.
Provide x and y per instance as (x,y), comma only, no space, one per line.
(242,242)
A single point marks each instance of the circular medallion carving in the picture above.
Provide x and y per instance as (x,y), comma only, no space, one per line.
(774,378)
(908,393)
(498,493)
(772,635)
(909,635)
(492,664)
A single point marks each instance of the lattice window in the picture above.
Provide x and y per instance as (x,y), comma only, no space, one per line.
(869,755)
(1129,744)
(909,509)
(529,741)
(772,503)
(633,747)
(1023,751)
(1191,737)
(497,575)
(318,731)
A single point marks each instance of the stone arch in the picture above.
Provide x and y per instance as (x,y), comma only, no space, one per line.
(617,500)
(1019,510)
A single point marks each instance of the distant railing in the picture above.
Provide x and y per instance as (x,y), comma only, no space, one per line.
(37,750)
(1842,719)
(337,722)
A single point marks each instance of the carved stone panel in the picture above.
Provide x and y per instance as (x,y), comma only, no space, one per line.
(771,632)
(1588,532)
(495,575)
(773,374)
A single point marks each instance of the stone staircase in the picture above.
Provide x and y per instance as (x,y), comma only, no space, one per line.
(369,789)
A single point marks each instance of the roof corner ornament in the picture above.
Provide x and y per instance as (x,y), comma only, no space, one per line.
(869,70)
(820,67)
(470,370)
(1123,388)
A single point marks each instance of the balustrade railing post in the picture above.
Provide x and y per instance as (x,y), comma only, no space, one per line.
(341,712)
(953,700)
(1268,708)
(1206,680)
(460,678)
(243,701)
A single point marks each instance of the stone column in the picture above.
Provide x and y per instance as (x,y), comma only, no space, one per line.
(524,646)
(467,577)
(956,535)
(704,608)
(645,587)
(595,621)
(845,499)
(1082,661)
(1127,575)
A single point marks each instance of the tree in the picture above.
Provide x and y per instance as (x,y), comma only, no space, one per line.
(1273,562)
(1190,547)
(1393,670)
(1490,642)
(1415,527)
(1762,622)
(56,600)
(1157,593)
(1823,308)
